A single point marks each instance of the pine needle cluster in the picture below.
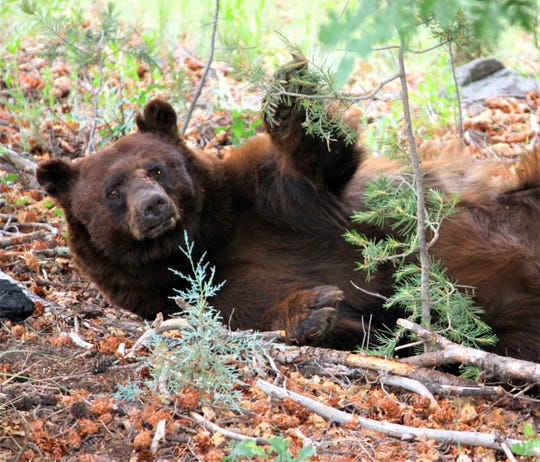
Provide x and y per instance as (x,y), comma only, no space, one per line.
(91,45)
(308,88)
(391,204)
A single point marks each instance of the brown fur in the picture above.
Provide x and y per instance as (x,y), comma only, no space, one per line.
(493,245)
(271,217)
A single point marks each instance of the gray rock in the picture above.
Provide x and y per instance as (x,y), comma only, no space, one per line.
(505,82)
(488,77)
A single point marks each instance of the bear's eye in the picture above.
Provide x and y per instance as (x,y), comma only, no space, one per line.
(156,171)
(112,194)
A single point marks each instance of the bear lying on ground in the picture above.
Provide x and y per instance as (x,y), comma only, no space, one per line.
(271,217)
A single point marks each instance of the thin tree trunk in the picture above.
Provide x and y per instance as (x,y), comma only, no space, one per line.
(425,265)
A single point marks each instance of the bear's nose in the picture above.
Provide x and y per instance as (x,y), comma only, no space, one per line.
(154,206)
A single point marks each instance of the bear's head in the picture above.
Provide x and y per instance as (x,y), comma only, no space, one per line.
(132,200)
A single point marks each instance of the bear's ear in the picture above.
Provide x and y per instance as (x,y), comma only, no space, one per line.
(158,117)
(56,177)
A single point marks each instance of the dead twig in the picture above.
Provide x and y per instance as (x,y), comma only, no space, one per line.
(19,160)
(61,251)
(428,377)
(404,432)
(477,390)
(205,71)
(227,433)
(158,326)
(492,364)
(13,222)
(159,435)
(411,385)
(342,97)
(19,239)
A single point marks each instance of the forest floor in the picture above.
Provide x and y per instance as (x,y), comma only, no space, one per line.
(57,397)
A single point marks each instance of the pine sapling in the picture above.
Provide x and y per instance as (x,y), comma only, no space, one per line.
(391,204)
(205,357)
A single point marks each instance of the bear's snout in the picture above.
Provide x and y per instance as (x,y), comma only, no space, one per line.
(154,207)
(150,214)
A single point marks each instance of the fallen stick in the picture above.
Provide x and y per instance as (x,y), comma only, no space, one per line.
(159,435)
(332,370)
(494,365)
(288,355)
(227,433)
(476,390)
(411,385)
(404,432)
(19,239)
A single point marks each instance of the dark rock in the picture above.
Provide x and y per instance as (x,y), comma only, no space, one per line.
(79,410)
(477,69)
(14,304)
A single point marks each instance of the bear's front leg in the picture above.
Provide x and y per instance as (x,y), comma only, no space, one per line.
(306,316)
(327,160)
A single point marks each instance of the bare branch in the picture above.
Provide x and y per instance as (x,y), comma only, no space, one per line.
(494,365)
(404,432)
(367,292)
(344,97)
(159,435)
(227,433)
(91,148)
(409,384)
(288,355)
(458,93)
(202,80)
(427,50)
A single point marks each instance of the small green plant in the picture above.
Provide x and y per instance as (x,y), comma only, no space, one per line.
(23,200)
(382,137)
(245,21)
(529,447)
(206,357)
(391,205)
(49,204)
(129,391)
(278,451)
(104,55)
(434,111)
(30,108)
(121,113)
(241,127)
(8,178)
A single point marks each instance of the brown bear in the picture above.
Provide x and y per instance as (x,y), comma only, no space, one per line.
(271,218)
